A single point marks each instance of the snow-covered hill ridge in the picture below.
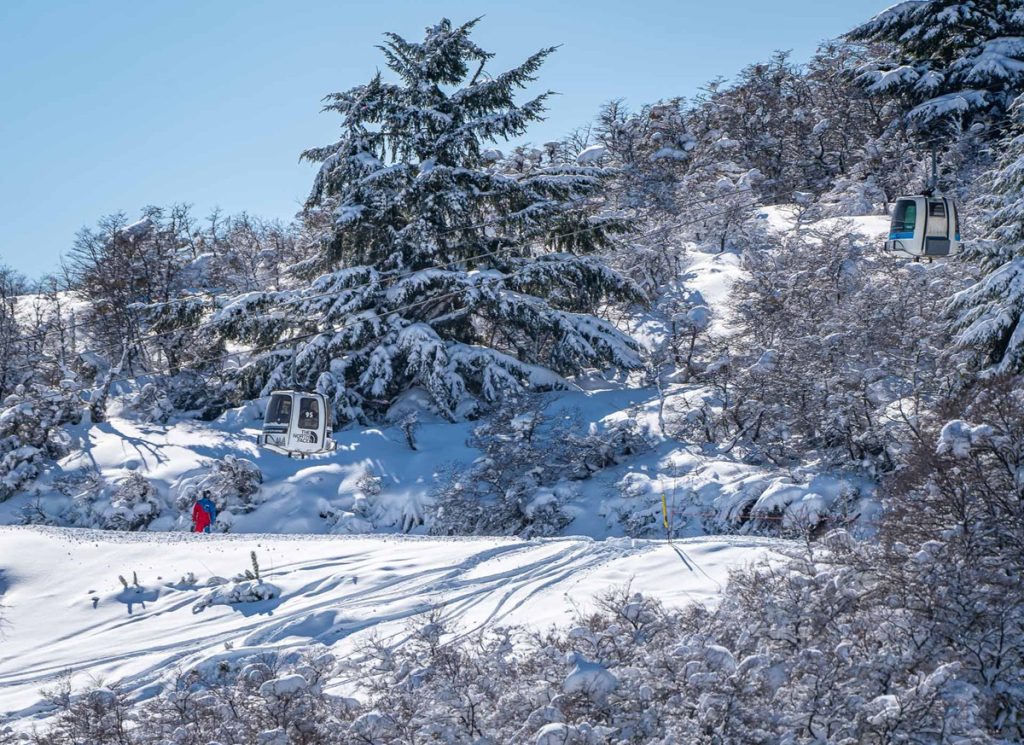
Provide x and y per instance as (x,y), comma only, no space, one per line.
(65,608)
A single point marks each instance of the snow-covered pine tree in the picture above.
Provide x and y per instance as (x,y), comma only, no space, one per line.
(989,320)
(961,59)
(441,271)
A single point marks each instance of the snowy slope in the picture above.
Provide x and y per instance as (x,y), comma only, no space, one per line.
(64,606)
(66,609)
(296,495)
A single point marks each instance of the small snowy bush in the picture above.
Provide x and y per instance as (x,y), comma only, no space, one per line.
(151,404)
(232,483)
(31,432)
(133,506)
(358,510)
(519,484)
(238,592)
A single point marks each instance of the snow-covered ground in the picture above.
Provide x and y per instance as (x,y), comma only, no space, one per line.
(296,495)
(66,609)
(324,495)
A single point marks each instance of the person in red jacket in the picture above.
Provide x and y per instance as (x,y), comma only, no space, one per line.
(203,514)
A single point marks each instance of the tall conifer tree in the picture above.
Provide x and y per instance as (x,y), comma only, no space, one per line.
(440,271)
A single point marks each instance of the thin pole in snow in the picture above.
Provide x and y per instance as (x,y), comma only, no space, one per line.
(665,515)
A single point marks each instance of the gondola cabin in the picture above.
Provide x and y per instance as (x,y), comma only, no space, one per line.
(924,226)
(297,424)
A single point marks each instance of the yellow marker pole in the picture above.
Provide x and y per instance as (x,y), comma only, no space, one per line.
(664,515)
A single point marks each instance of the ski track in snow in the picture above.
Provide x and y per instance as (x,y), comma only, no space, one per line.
(335,590)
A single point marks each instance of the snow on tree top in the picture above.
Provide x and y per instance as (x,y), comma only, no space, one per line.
(138,229)
(592,154)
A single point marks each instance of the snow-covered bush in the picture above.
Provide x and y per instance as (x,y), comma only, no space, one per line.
(31,431)
(837,351)
(196,394)
(265,699)
(35,513)
(358,510)
(151,404)
(639,511)
(595,447)
(83,489)
(100,714)
(519,485)
(237,593)
(232,483)
(966,475)
(133,505)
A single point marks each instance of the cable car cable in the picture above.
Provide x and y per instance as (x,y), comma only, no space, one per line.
(266,348)
(394,278)
(42,336)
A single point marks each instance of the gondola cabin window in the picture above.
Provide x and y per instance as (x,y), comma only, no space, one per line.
(309,414)
(904,217)
(280,410)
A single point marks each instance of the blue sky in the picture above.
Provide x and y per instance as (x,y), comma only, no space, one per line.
(110,106)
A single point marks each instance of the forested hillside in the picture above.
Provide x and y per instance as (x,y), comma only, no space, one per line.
(675,321)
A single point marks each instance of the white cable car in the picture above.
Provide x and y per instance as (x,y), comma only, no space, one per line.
(924,226)
(297,424)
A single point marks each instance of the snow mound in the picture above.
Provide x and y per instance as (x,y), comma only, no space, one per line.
(589,678)
(249,591)
(591,155)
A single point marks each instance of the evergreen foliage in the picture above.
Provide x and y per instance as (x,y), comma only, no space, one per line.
(443,272)
(956,62)
(988,315)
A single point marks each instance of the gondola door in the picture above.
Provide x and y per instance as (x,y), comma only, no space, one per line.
(308,432)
